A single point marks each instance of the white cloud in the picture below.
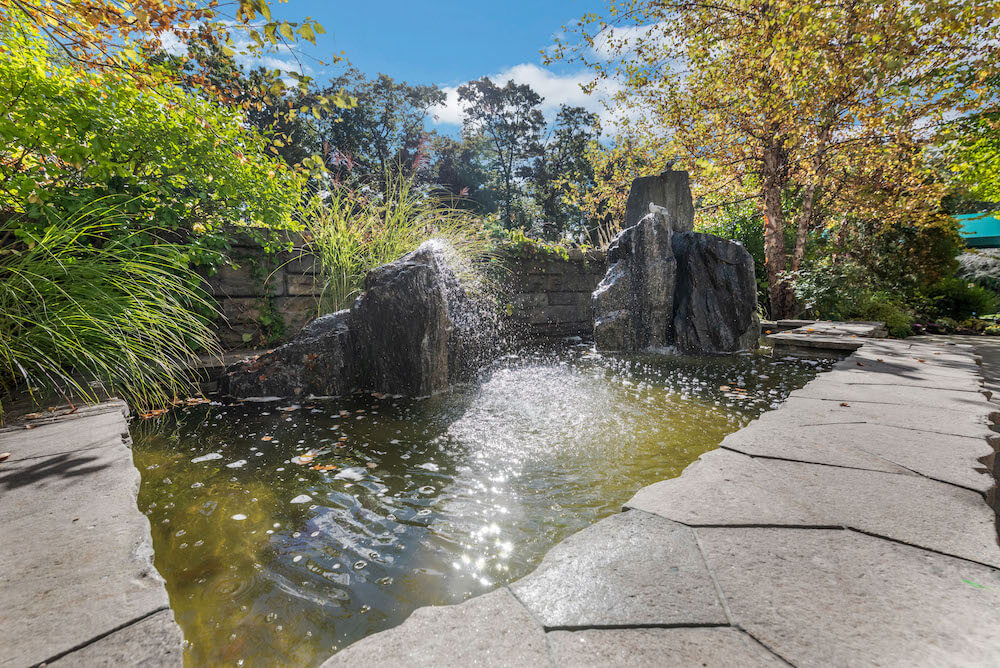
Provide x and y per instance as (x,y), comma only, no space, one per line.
(275,57)
(555,89)
(172,44)
(613,42)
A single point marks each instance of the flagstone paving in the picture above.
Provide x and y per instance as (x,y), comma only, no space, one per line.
(77,581)
(847,527)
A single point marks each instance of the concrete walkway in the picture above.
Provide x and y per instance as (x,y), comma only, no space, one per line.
(847,527)
(77,583)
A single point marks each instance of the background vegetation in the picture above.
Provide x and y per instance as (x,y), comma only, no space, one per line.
(834,140)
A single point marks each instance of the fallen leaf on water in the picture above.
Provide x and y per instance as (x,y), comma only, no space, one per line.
(32,416)
(724,388)
(4,456)
(344,413)
(844,403)
(371,465)
(267,438)
(859,364)
(29,426)
(154,413)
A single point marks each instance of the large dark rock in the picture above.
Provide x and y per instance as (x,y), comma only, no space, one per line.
(413,331)
(633,305)
(668,286)
(316,362)
(715,305)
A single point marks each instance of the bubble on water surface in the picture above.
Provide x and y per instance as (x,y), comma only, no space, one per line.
(239,516)
(302,498)
(206,458)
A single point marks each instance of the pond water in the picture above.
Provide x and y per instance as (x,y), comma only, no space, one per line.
(286,531)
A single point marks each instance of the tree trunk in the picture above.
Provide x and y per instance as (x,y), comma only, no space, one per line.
(815,185)
(782,301)
(804,223)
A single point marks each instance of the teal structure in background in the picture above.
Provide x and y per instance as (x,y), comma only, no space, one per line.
(980,230)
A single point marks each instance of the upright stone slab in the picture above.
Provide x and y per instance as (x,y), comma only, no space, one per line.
(633,305)
(670,190)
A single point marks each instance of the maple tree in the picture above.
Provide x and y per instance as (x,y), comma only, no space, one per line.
(831,102)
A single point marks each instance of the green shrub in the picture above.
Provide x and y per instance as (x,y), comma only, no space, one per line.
(169,158)
(845,292)
(958,299)
(82,302)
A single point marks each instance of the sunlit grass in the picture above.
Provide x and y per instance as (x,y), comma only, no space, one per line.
(351,232)
(89,298)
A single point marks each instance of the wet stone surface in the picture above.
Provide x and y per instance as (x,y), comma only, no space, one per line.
(630,569)
(287,530)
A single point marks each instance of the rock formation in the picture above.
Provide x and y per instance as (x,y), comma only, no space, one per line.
(669,190)
(633,305)
(413,331)
(669,286)
(715,305)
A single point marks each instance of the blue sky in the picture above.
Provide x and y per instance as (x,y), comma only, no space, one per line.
(449,42)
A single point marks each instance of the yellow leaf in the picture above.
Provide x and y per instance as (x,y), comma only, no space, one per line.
(286,31)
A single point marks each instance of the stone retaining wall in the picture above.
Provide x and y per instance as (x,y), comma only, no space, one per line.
(550,296)
(269,297)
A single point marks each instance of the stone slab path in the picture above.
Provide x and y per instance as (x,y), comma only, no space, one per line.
(77,583)
(848,527)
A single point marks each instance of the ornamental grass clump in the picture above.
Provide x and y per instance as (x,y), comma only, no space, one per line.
(89,302)
(351,232)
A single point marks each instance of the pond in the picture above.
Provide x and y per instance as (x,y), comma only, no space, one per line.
(286,531)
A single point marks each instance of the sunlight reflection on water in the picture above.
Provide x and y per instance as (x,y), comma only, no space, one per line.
(401,503)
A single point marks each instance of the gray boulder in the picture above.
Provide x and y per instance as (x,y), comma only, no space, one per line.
(669,190)
(413,331)
(317,362)
(669,286)
(633,304)
(980,264)
(715,305)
